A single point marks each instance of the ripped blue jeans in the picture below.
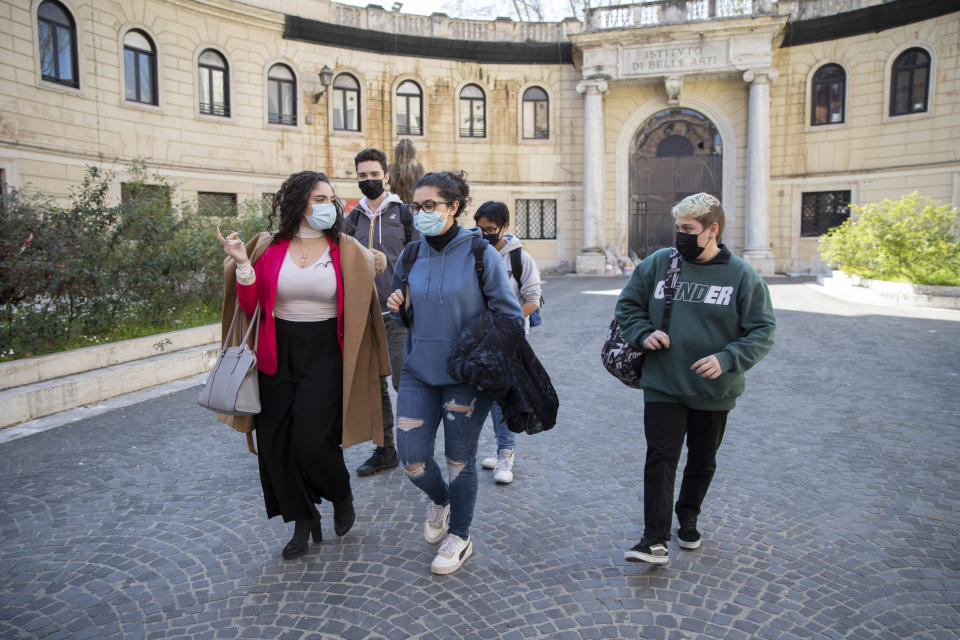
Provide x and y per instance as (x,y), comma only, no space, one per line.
(463,409)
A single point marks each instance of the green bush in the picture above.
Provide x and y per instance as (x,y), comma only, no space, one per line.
(94,272)
(913,239)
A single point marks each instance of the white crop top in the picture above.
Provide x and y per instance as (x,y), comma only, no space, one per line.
(308,294)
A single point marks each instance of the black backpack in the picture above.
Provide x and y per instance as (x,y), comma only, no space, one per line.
(409,256)
(406,218)
(516,266)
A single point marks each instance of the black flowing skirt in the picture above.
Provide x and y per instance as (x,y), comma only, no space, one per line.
(300,426)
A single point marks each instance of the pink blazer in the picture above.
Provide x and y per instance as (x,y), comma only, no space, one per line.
(264,290)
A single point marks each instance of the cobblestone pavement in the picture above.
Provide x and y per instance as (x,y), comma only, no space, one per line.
(834,512)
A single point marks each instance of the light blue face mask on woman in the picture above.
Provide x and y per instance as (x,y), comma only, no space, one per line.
(429,223)
(323,217)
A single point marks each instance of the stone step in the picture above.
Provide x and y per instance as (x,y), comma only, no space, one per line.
(30,401)
(26,371)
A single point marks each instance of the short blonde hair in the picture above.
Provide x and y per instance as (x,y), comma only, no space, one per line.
(703,208)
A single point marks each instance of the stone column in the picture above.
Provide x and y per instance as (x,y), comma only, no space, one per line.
(757,251)
(591,259)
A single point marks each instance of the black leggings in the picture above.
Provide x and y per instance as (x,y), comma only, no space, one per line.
(665,425)
(300,426)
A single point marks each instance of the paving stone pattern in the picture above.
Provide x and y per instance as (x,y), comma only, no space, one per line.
(834,512)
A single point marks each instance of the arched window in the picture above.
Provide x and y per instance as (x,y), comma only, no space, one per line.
(536,113)
(214,84)
(827,95)
(281,95)
(139,68)
(473,112)
(58,44)
(346,103)
(409,109)
(909,82)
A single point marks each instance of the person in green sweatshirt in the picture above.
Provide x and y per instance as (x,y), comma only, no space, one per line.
(721,324)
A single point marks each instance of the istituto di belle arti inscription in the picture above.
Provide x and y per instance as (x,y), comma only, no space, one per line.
(673,58)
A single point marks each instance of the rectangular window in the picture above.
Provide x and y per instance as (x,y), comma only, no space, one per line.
(536,219)
(820,211)
(211,203)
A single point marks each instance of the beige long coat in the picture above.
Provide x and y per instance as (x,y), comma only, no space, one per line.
(365,357)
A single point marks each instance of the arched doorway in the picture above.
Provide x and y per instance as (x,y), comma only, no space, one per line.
(677,152)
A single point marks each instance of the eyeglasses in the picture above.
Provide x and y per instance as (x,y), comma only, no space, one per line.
(427,205)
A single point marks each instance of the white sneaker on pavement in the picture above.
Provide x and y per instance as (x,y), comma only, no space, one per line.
(452,554)
(504,469)
(489,463)
(437,523)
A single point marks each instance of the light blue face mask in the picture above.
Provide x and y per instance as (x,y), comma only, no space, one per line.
(429,223)
(323,217)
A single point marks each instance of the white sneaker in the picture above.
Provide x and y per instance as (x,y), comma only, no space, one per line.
(437,523)
(489,463)
(504,471)
(452,554)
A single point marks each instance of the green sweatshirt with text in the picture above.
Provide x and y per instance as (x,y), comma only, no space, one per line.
(721,308)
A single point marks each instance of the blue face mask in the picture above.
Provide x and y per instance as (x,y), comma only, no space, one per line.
(429,224)
(323,217)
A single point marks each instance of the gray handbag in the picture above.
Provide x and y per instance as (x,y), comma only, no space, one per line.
(232,386)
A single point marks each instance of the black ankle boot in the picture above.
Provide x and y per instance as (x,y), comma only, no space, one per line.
(343,516)
(302,529)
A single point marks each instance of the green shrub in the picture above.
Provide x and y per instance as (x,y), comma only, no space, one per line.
(94,272)
(913,239)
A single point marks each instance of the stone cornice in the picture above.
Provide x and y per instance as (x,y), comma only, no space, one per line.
(234,11)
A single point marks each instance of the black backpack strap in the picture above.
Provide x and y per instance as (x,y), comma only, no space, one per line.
(407,257)
(516,265)
(670,288)
(351,221)
(407,219)
(479,246)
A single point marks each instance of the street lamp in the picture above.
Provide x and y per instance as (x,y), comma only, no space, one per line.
(326,77)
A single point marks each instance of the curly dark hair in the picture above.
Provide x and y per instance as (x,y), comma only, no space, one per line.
(291,200)
(452,186)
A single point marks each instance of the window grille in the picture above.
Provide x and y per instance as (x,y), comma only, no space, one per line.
(536,219)
(823,210)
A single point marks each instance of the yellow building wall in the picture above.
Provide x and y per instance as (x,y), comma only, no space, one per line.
(51,133)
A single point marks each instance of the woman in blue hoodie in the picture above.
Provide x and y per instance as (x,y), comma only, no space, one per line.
(442,296)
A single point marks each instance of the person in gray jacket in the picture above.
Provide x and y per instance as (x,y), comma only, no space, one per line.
(381,222)
(493,218)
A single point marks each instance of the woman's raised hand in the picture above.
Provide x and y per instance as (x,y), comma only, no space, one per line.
(234,246)
(395,300)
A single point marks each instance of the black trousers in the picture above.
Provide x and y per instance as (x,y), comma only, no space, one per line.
(395,337)
(300,426)
(665,426)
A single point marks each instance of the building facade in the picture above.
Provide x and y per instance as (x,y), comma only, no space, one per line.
(787,111)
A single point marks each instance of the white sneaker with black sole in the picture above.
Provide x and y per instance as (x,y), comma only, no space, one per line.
(452,554)
(437,524)
(647,550)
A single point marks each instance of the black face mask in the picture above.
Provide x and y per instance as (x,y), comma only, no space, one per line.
(492,238)
(687,245)
(372,189)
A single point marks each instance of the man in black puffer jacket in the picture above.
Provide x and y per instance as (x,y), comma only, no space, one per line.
(492,354)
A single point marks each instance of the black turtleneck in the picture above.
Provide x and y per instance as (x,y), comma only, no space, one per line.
(441,241)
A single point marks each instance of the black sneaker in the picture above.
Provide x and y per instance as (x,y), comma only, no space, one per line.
(381,460)
(648,550)
(688,537)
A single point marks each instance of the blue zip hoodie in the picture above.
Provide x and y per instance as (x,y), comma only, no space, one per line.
(444,297)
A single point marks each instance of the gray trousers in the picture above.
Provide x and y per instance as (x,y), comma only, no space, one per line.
(395,338)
